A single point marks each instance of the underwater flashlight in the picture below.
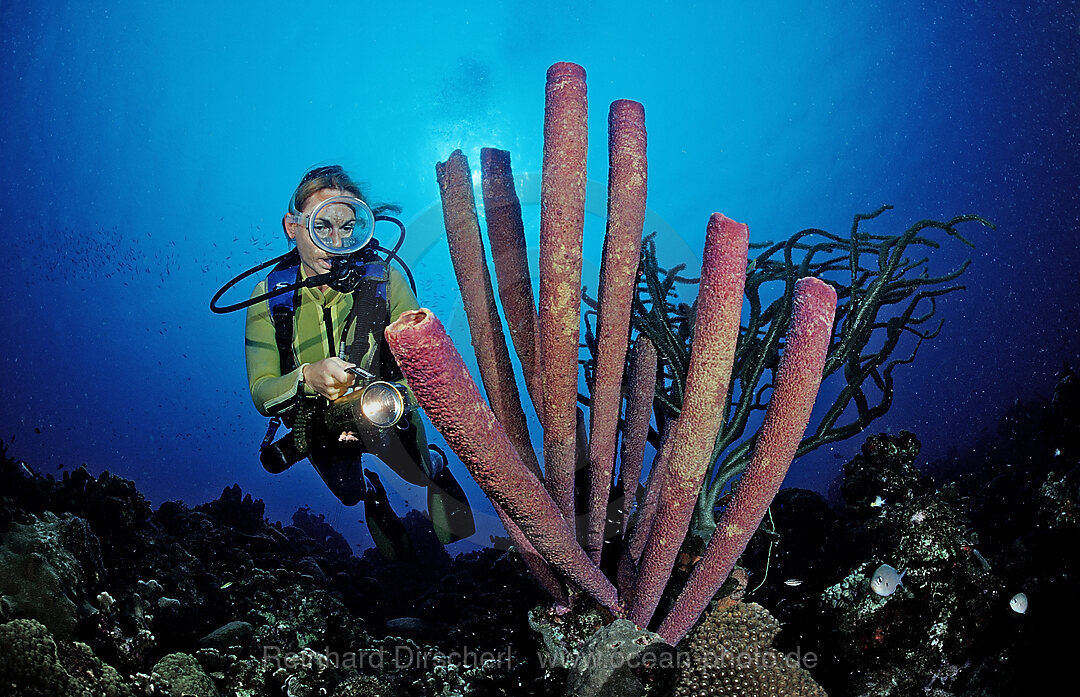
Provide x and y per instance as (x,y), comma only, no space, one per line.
(380,403)
(384,403)
(370,408)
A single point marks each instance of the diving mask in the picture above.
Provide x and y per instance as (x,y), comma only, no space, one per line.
(338,225)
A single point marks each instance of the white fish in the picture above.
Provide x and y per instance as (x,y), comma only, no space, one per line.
(793,582)
(877,502)
(1019,603)
(886,580)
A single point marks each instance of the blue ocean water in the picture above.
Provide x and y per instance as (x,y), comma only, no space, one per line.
(148,152)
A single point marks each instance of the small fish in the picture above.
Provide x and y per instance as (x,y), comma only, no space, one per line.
(886,580)
(1019,603)
(793,582)
(226,585)
(878,502)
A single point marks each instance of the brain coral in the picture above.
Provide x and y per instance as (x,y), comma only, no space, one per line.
(731,654)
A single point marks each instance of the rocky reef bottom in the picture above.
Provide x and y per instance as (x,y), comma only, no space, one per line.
(100,594)
(987,545)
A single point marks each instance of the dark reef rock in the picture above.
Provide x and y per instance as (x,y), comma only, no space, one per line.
(1008,522)
(928,630)
(884,472)
(36,664)
(181,674)
(234,635)
(216,599)
(50,567)
(614,659)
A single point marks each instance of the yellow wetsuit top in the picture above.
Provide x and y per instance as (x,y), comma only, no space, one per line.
(317,334)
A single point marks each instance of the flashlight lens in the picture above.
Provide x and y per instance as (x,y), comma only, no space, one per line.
(382,404)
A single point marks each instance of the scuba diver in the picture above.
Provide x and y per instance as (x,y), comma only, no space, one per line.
(318,362)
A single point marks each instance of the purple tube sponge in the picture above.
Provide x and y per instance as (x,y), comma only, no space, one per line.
(723,274)
(452,401)
(562,219)
(797,382)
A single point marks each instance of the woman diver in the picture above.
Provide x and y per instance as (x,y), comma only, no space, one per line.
(314,342)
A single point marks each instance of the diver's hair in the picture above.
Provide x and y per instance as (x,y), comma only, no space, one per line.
(333,177)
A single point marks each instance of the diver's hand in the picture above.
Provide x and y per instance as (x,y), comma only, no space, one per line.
(329,378)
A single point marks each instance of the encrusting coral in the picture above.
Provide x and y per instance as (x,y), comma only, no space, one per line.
(484,438)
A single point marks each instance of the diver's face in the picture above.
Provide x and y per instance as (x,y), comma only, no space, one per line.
(316,260)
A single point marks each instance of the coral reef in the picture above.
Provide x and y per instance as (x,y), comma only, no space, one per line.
(101,594)
(36,665)
(922,633)
(216,600)
(1004,524)
(192,596)
(181,674)
(50,563)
